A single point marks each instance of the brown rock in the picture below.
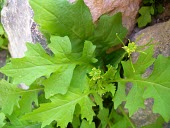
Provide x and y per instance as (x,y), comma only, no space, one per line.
(129,9)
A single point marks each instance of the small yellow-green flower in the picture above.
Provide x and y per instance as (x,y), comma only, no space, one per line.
(95,74)
(130,48)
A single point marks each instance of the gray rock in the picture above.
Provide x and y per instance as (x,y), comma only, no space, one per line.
(160,33)
(16,19)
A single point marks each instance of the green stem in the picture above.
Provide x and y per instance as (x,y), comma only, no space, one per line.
(120,39)
(3,47)
(126,116)
(132,64)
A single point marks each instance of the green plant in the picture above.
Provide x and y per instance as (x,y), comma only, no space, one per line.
(148,9)
(3,36)
(79,85)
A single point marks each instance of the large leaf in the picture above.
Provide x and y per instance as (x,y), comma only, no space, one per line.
(105,31)
(160,87)
(156,86)
(143,62)
(62,108)
(58,68)
(59,17)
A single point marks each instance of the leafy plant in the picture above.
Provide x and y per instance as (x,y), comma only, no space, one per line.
(3,38)
(148,9)
(78,84)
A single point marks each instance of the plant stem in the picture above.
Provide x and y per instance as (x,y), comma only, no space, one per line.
(120,39)
(126,116)
(3,47)
(132,64)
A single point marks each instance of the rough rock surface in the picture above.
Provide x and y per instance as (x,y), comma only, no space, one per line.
(160,33)
(129,9)
(16,19)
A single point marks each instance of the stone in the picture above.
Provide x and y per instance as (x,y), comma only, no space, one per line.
(129,9)
(160,33)
(16,19)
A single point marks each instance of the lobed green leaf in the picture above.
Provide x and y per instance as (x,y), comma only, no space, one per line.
(156,86)
(58,69)
(62,108)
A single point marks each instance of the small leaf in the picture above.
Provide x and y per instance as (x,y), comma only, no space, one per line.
(16,97)
(8,94)
(80,79)
(1,30)
(119,121)
(1,41)
(145,17)
(98,100)
(160,8)
(120,94)
(135,99)
(2,118)
(76,122)
(86,124)
(104,117)
(28,97)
